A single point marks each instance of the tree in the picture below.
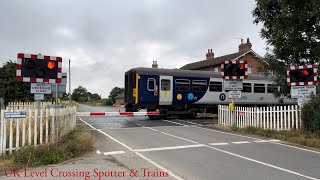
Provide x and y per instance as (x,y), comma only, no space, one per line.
(95,97)
(80,94)
(115,92)
(292,29)
(10,88)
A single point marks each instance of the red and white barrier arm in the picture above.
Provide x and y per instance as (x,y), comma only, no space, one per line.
(153,113)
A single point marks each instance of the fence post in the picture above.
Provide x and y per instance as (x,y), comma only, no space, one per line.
(52,133)
(297,117)
(1,132)
(47,125)
(285,117)
(30,126)
(281,117)
(35,141)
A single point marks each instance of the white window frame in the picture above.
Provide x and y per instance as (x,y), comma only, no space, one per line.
(154,84)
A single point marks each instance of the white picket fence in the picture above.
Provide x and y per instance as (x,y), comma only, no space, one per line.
(271,117)
(18,132)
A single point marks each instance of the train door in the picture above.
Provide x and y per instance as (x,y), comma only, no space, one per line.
(165,90)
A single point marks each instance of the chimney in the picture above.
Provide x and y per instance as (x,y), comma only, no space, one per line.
(210,55)
(155,64)
(245,47)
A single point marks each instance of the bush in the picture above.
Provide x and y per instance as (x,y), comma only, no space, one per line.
(310,115)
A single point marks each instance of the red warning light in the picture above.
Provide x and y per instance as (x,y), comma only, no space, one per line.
(305,72)
(51,64)
(241,66)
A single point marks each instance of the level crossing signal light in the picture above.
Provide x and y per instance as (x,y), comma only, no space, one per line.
(234,69)
(302,75)
(39,68)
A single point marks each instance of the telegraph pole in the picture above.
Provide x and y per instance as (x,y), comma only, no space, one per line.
(69,83)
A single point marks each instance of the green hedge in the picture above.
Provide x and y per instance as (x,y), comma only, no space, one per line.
(310,115)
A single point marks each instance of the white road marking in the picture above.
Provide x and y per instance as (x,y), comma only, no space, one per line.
(241,142)
(98,152)
(281,144)
(259,162)
(261,141)
(188,122)
(218,144)
(274,140)
(175,122)
(159,166)
(151,128)
(265,164)
(168,148)
(179,137)
(227,133)
(113,153)
(137,153)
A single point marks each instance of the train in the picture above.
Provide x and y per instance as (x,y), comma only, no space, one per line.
(185,93)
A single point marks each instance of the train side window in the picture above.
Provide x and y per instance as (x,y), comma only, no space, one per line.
(165,85)
(259,88)
(246,87)
(215,86)
(271,88)
(151,84)
(182,85)
(199,85)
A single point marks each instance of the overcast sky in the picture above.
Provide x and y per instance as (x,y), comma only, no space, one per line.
(104,39)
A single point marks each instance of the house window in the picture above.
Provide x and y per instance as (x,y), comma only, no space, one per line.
(151,84)
(198,85)
(249,69)
(215,86)
(182,85)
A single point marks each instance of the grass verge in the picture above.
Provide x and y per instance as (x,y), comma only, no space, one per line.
(293,136)
(74,144)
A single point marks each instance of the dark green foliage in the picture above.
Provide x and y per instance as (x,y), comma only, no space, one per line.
(310,115)
(80,94)
(109,102)
(115,92)
(10,88)
(292,28)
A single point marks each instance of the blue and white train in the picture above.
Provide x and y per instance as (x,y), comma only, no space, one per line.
(185,93)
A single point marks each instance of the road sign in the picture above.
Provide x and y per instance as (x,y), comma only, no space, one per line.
(302,91)
(222,97)
(21,114)
(38,97)
(40,88)
(234,85)
(234,94)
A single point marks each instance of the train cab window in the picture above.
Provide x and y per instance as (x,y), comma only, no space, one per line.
(246,87)
(151,84)
(215,86)
(165,85)
(199,85)
(182,85)
(271,88)
(259,88)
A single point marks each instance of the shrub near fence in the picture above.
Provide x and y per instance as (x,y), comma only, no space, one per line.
(271,117)
(51,124)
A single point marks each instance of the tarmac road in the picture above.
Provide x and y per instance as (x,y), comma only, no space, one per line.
(139,148)
(188,149)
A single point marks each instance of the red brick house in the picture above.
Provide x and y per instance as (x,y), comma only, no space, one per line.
(213,63)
